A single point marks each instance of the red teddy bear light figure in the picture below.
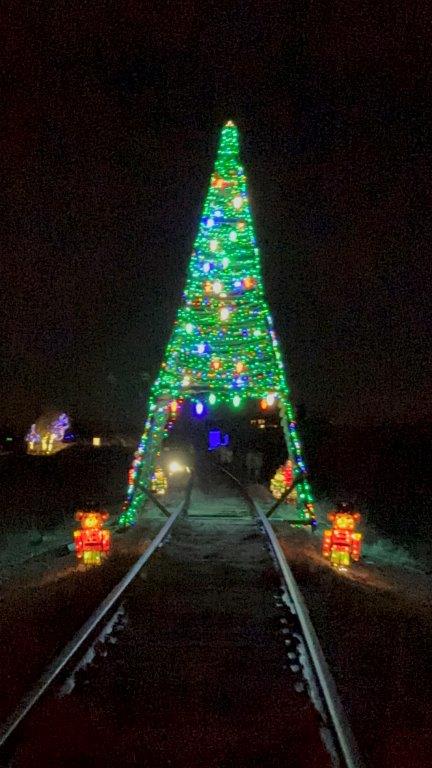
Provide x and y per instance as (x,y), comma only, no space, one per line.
(342,543)
(92,542)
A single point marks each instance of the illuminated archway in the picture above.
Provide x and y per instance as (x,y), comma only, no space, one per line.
(223,348)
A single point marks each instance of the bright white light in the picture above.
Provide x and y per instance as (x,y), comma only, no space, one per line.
(217,286)
(199,408)
(238,202)
(186,381)
(210,222)
(201,348)
(233,236)
(213,245)
(176,468)
(224,313)
(189,328)
(270,399)
(206,267)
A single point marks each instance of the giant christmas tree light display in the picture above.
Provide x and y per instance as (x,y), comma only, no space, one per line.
(223,349)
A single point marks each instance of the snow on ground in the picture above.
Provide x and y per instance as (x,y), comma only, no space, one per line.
(21,546)
(29,552)
(22,551)
(217,502)
(378,549)
(374,622)
(200,675)
(46,599)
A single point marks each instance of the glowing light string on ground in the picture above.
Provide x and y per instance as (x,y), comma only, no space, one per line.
(223,347)
(283,479)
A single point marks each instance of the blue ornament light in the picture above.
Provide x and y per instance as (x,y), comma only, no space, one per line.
(199,408)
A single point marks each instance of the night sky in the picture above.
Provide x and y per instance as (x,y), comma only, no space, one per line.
(112,118)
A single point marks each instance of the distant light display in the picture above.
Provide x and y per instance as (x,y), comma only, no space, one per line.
(47,434)
(159,482)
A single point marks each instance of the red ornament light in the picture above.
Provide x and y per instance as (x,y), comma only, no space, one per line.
(288,474)
(216,364)
(131,475)
(219,183)
(263,404)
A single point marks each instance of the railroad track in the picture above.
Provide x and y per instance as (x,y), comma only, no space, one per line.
(274,647)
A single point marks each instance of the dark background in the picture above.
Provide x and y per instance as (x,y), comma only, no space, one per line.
(111,116)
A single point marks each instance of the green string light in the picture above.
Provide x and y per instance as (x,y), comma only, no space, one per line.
(223,345)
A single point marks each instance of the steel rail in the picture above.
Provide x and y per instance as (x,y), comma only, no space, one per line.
(333,703)
(342,728)
(74,645)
